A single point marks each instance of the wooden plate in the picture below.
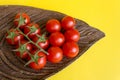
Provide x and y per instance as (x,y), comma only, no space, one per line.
(12,68)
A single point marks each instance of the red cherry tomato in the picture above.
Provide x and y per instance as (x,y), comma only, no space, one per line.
(72,35)
(31,52)
(55,54)
(53,25)
(68,22)
(13,37)
(32,30)
(70,49)
(21,19)
(24,55)
(43,45)
(22,49)
(56,39)
(41,62)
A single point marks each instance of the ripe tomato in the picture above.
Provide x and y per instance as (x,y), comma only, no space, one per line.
(13,37)
(24,55)
(41,43)
(41,61)
(53,25)
(32,29)
(21,19)
(70,49)
(68,22)
(55,54)
(72,35)
(56,39)
(31,52)
(22,49)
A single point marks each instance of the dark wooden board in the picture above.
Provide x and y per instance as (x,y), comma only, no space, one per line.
(12,68)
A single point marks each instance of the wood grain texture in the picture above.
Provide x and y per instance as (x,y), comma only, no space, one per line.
(12,68)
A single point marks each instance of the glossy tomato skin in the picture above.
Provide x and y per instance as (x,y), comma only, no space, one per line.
(72,35)
(31,52)
(26,20)
(32,34)
(24,55)
(28,47)
(53,25)
(56,39)
(43,45)
(68,22)
(41,62)
(70,49)
(55,54)
(17,37)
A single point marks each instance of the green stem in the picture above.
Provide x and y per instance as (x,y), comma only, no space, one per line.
(28,33)
(32,41)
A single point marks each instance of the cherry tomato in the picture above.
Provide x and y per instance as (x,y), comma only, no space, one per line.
(31,52)
(43,44)
(34,47)
(70,49)
(68,22)
(13,37)
(21,19)
(41,61)
(23,48)
(72,35)
(24,55)
(32,29)
(56,39)
(55,54)
(53,25)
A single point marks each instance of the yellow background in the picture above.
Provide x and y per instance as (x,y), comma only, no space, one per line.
(102,60)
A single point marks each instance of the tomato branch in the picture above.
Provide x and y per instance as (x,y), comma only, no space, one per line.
(32,41)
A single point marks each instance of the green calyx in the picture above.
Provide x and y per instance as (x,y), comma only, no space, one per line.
(11,35)
(41,38)
(22,48)
(34,58)
(21,20)
(32,29)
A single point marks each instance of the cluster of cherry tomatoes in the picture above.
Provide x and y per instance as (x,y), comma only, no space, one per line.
(58,39)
